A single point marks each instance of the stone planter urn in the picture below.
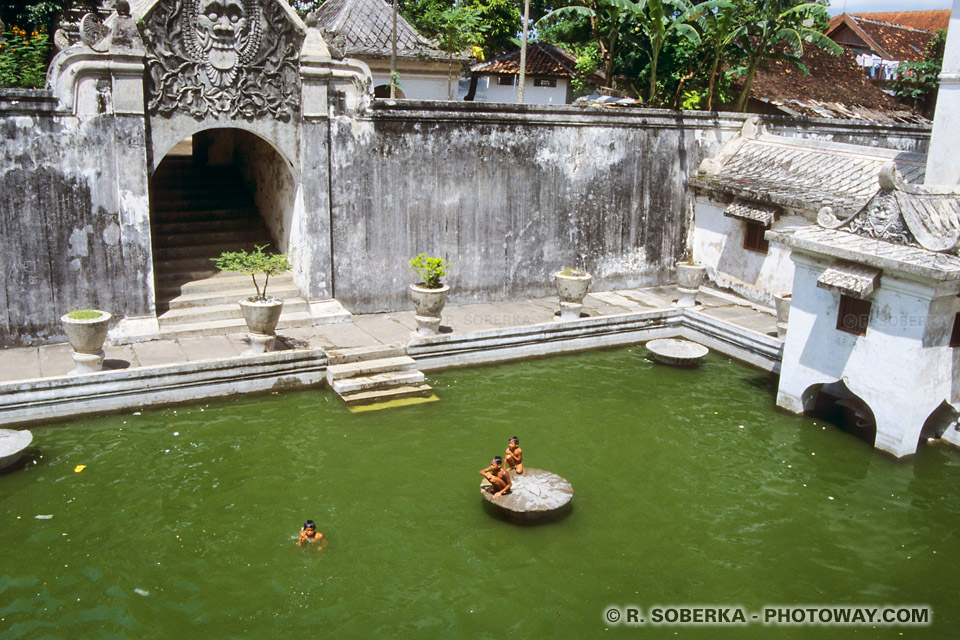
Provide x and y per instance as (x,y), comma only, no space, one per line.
(262,316)
(428,304)
(86,330)
(689,278)
(783,314)
(572,286)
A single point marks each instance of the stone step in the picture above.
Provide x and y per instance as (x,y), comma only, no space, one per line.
(187,265)
(232,232)
(205,214)
(217,298)
(237,325)
(377,381)
(226,311)
(202,199)
(357,354)
(369,367)
(391,393)
(222,281)
(202,250)
(215,226)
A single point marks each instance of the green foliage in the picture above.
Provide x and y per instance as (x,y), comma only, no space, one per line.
(254,263)
(502,20)
(916,82)
(429,270)
(572,273)
(23,59)
(84,314)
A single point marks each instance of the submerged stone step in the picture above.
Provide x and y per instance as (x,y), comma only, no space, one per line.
(356,354)
(369,367)
(377,381)
(381,395)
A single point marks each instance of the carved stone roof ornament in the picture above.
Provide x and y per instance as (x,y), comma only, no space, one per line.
(913,215)
(213,58)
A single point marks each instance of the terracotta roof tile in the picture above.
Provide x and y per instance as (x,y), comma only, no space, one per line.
(925,20)
(835,87)
(902,43)
(542,60)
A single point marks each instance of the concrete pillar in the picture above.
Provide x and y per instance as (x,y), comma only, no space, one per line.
(943,160)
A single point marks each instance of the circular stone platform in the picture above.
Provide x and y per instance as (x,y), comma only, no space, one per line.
(12,444)
(535,494)
(676,351)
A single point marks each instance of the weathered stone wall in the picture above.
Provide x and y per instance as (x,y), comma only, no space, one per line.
(507,193)
(74,217)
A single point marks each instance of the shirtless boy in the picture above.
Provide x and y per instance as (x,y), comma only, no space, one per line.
(309,533)
(498,477)
(514,456)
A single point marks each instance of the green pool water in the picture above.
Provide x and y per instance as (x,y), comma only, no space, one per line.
(689,489)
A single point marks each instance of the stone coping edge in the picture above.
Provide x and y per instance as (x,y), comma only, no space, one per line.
(51,399)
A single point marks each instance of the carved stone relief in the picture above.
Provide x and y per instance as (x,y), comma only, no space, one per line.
(237,58)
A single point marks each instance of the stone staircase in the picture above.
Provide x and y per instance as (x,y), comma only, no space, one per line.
(196,213)
(367,375)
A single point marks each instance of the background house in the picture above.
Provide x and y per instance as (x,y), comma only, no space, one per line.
(549,72)
(881,41)
(361,29)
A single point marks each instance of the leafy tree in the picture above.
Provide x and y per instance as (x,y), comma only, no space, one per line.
(456,29)
(774,23)
(917,82)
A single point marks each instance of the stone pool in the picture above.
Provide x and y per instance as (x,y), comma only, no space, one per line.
(690,489)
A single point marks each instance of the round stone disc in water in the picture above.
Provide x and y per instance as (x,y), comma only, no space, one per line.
(676,351)
(12,444)
(535,494)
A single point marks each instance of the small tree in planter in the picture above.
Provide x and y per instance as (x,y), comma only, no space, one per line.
(261,312)
(430,294)
(86,330)
(572,285)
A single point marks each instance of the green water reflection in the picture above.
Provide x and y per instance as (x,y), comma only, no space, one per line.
(183,523)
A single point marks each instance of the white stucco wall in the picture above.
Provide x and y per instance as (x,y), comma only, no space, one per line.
(419,86)
(718,244)
(531,94)
(903,368)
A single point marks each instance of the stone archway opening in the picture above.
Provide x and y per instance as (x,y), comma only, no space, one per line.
(938,422)
(835,404)
(217,190)
(383,91)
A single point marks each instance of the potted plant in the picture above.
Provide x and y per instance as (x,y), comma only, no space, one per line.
(690,276)
(572,285)
(86,330)
(429,295)
(261,312)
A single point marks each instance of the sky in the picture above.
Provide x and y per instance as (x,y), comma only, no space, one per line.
(873,6)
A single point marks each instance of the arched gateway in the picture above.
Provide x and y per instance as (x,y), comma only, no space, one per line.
(214,113)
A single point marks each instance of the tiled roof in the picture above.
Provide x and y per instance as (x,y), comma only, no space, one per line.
(362,28)
(805,175)
(926,20)
(835,88)
(889,41)
(915,215)
(850,279)
(544,60)
(873,252)
(751,211)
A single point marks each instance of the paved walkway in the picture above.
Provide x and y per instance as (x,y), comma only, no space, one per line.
(382,328)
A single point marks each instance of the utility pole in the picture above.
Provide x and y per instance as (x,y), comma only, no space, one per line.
(523,51)
(393,54)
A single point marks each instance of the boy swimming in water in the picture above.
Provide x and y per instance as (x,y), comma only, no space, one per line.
(498,477)
(309,533)
(514,455)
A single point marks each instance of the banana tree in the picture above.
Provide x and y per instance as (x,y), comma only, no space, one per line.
(773,26)
(719,30)
(656,21)
(607,19)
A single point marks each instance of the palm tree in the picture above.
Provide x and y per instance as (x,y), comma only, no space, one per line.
(773,25)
